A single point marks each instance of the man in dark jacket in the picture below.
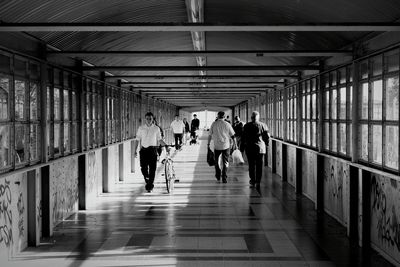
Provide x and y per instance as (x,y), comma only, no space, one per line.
(194,125)
(256,139)
(238,128)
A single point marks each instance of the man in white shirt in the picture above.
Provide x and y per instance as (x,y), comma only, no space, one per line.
(149,137)
(221,132)
(178,128)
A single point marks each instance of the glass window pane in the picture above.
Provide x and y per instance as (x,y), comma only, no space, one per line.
(377,100)
(364,101)
(392,98)
(74,139)
(48,104)
(364,69)
(295,131)
(342,103)
(4,98)
(326,80)
(20,144)
(66,143)
(314,105)
(350,142)
(5,64)
(88,107)
(392,147)
(349,116)
(342,73)
(57,106)
(314,134)
(19,99)
(343,143)
(308,106)
(326,135)
(303,98)
(333,78)
(56,143)
(334,137)
(308,125)
(392,60)
(74,110)
(376,64)
(5,151)
(377,143)
(364,141)
(34,98)
(334,104)
(327,105)
(34,142)
(66,105)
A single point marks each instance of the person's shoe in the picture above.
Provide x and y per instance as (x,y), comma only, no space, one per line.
(224,181)
(218,178)
(176,181)
(252,184)
(149,187)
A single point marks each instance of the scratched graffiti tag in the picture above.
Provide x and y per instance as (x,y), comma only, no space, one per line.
(6,235)
(384,196)
(21,209)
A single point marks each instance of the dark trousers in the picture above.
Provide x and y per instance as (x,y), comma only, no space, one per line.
(225,157)
(148,163)
(256,162)
(178,140)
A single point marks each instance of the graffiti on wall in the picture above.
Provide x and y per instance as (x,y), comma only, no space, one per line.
(21,209)
(291,152)
(385,220)
(6,234)
(64,188)
(279,158)
(91,172)
(336,180)
(309,174)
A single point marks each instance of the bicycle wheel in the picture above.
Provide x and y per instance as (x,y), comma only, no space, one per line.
(167,174)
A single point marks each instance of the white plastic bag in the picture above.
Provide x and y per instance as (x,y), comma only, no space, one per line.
(221,162)
(237,157)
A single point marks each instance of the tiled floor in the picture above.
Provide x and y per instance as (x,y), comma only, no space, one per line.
(204,223)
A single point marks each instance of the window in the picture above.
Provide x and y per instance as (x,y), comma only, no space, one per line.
(309,111)
(337,112)
(379,105)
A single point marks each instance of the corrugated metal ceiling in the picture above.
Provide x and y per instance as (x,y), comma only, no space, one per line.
(268,12)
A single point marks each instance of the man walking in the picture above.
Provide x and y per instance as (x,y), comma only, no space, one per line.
(149,137)
(194,125)
(221,132)
(187,130)
(238,128)
(256,139)
(177,128)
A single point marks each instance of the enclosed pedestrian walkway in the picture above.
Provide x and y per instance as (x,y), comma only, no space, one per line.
(78,77)
(204,223)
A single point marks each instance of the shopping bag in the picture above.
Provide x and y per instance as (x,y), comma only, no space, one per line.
(210,158)
(221,162)
(237,157)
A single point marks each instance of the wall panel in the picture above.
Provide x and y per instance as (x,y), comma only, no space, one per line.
(63,190)
(385,215)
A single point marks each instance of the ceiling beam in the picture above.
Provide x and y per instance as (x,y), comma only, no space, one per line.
(161,77)
(217,53)
(193,27)
(209,88)
(199,68)
(200,83)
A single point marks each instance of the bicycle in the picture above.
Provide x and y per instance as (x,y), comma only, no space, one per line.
(169,171)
